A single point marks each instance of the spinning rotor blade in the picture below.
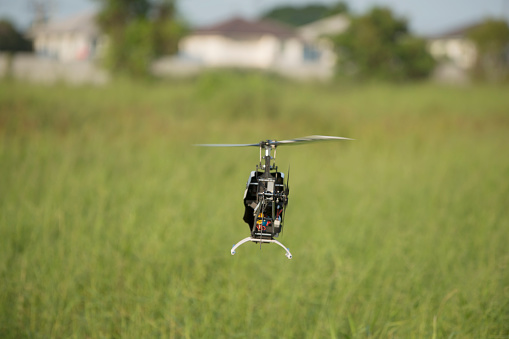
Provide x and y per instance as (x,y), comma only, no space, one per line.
(228,145)
(276,143)
(310,138)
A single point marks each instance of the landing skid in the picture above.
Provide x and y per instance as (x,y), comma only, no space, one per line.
(257,240)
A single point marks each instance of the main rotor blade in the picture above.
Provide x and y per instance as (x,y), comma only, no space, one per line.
(228,145)
(310,138)
(276,143)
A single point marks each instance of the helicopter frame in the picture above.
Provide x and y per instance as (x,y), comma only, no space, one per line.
(265,200)
(266,194)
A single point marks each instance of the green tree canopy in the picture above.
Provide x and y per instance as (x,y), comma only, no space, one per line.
(138,31)
(492,42)
(379,45)
(298,16)
(11,40)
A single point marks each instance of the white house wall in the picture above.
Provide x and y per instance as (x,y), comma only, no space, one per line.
(215,50)
(460,51)
(64,46)
(291,52)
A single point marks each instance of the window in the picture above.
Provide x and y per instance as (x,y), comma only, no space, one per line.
(310,53)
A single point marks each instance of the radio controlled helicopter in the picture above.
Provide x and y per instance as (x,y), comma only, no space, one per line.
(266,194)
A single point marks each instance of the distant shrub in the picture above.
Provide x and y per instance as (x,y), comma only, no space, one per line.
(492,41)
(379,45)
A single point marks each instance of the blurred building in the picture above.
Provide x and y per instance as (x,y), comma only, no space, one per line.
(455,52)
(301,52)
(75,38)
(63,51)
(242,43)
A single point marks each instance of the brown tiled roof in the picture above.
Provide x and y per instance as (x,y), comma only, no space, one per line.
(242,27)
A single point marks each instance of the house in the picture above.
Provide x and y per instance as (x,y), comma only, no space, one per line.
(72,39)
(241,43)
(455,52)
(63,51)
(454,46)
(266,45)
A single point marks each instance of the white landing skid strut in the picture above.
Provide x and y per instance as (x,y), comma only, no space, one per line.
(257,240)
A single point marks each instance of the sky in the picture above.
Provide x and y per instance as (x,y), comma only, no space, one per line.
(424,17)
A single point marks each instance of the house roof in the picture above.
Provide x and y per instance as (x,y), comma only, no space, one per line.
(83,23)
(458,32)
(331,25)
(242,27)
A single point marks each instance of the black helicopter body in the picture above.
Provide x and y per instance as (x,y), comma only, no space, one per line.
(265,200)
(266,194)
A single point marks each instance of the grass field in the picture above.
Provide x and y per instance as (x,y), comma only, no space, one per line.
(113,225)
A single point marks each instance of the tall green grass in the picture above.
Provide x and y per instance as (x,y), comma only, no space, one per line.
(113,225)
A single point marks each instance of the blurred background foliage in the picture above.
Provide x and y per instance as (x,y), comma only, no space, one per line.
(112,224)
(11,39)
(298,16)
(492,41)
(138,32)
(379,45)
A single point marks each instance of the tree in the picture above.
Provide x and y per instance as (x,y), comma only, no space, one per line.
(298,16)
(378,45)
(11,40)
(138,31)
(492,42)
(167,30)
